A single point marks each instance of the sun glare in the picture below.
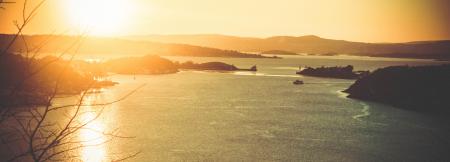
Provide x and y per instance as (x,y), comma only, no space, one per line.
(99,17)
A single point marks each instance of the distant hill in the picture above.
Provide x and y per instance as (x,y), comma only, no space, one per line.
(114,46)
(311,44)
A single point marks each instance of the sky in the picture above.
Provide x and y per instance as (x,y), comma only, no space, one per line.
(353,20)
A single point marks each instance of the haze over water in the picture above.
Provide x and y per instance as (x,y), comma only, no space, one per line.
(262,116)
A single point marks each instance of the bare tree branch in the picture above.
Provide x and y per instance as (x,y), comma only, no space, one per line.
(44,137)
(25,22)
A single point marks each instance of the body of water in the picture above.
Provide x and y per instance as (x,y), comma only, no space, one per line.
(261,116)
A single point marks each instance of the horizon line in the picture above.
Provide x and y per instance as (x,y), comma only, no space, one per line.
(226,35)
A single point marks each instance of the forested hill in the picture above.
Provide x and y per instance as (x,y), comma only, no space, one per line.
(311,44)
(112,46)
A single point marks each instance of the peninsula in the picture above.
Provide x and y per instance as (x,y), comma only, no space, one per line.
(422,88)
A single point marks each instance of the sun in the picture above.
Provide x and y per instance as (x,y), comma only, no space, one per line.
(99,17)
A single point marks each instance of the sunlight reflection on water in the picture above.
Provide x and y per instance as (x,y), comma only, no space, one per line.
(92,137)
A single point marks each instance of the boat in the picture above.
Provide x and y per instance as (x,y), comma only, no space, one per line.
(298,82)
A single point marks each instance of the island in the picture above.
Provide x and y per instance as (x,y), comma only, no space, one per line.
(153,64)
(333,72)
(422,88)
(279,52)
(149,64)
(213,66)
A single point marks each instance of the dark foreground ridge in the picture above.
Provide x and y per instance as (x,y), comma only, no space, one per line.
(333,72)
(30,81)
(424,88)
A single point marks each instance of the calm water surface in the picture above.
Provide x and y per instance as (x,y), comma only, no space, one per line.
(262,116)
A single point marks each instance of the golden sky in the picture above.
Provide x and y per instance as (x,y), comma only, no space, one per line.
(354,20)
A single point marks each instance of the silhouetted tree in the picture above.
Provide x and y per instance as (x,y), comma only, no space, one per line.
(29,130)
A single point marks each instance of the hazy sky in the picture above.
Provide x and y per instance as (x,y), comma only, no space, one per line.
(355,20)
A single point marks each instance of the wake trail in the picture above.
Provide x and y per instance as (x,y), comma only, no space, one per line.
(265,75)
(364,112)
(365,107)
